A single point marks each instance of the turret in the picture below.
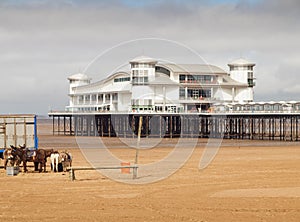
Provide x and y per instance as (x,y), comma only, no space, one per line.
(142,70)
(142,73)
(241,70)
(78,79)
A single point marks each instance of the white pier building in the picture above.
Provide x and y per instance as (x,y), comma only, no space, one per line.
(152,86)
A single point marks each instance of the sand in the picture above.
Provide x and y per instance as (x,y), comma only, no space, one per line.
(246,181)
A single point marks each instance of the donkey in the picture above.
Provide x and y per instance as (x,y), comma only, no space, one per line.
(39,157)
(21,155)
(66,159)
(8,157)
(43,153)
(55,160)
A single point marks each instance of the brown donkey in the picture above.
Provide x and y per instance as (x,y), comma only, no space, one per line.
(39,157)
(20,154)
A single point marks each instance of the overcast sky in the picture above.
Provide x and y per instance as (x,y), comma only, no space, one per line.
(44,42)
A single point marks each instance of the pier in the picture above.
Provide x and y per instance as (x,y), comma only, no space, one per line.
(251,126)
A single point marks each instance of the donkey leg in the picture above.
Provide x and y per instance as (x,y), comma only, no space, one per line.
(44,166)
(24,166)
(41,167)
(5,163)
(51,167)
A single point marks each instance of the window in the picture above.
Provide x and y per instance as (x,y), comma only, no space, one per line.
(141,102)
(232,68)
(190,78)
(115,96)
(158,108)
(148,102)
(100,97)
(140,72)
(134,65)
(135,102)
(251,83)
(87,99)
(197,78)
(142,65)
(182,78)
(162,70)
(207,78)
(139,80)
(123,79)
(199,93)
(250,75)
(195,93)
(139,77)
(182,92)
(171,109)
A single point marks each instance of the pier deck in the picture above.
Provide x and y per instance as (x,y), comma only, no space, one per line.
(253,126)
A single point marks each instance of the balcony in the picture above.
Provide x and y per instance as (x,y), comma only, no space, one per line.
(195,99)
(199,82)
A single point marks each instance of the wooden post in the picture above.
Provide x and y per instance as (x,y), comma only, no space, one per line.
(4,131)
(15,131)
(25,131)
(58,125)
(72,174)
(53,127)
(64,125)
(70,125)
(138,140)
(109,126)
(296,125)
(134,173)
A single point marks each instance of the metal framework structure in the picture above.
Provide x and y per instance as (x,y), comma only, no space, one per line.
(258,126)
(18,129)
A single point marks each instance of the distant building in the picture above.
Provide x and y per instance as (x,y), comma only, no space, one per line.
(151,86)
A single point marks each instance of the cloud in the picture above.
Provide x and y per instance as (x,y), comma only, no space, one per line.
(43,42)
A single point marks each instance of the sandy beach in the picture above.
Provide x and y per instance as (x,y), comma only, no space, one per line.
(246,181)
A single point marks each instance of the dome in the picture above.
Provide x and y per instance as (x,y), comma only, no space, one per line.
(79,76)
(143,59)
(240,62)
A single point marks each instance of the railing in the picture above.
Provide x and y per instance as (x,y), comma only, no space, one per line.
(177,112)
(195,98)
(257,111)
(72,170)
(216,106)
(198,82)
